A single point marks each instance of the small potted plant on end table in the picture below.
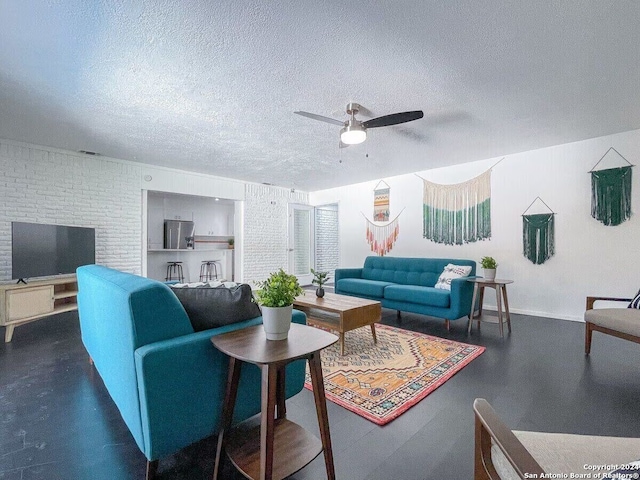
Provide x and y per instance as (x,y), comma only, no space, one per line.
(319,278)
(275,296)
(489,266)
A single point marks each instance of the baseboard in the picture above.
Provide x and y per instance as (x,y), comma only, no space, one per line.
(531,313)
(535,313)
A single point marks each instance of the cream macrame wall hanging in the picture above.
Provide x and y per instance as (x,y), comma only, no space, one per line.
(538,234)
(611,192)
(382,238)
(381,202)
(458,213)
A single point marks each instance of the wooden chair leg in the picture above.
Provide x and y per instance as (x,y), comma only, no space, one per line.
(447,324)
(482,453)
(152,469)
(399,317)
(588,333)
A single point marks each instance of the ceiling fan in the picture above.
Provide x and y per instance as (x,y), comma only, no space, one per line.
(354,131)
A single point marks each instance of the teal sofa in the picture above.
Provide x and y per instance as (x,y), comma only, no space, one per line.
(167,381)
(407,284)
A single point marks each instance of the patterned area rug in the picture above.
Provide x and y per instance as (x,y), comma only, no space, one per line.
(381,382)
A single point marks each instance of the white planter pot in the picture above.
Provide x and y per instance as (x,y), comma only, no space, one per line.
(489,273)
(276,322)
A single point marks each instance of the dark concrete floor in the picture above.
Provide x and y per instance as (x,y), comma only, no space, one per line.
(58,422)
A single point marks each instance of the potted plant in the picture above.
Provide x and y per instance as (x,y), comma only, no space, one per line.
(319,278)
(275,296)
(231,242)
(489,266)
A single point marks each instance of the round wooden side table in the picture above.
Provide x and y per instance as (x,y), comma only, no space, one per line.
(500,287)
(277,448)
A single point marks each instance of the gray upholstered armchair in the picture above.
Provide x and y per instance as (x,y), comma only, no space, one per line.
(503,454)
(619,322)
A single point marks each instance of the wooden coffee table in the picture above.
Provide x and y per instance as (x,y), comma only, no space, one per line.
(340,313)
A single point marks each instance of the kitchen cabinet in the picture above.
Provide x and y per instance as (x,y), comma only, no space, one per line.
(179,207)
(214,219)
(155,218)
(211,217)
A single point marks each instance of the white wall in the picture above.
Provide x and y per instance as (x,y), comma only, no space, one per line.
(590,259)
(266,215)
(162,179)
(47,185)
(42,185)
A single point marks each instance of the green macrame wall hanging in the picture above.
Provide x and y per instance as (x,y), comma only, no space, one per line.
(458,213)
(538,235)
(611,192)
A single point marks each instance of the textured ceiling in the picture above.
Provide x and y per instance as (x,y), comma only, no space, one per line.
(211,86)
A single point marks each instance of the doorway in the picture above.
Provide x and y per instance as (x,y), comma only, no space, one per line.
(327,242)
(313,240)
(301,242)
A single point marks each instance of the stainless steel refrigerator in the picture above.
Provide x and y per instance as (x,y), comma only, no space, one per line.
(178,234)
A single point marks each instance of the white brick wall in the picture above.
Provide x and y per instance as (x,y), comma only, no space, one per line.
(44,185)
(265,228)
(41,186)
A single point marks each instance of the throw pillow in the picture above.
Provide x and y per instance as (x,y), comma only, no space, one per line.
(635,303)
(450,272)
(210,307)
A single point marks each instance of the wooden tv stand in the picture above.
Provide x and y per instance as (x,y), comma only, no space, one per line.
(23,303)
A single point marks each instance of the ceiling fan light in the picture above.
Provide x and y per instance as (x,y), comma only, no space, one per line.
(353,134)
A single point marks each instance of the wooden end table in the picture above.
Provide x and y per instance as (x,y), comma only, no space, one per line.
(340,313)
(277,448)
(500,287)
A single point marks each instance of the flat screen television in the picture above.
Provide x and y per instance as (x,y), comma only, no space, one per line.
(39,250)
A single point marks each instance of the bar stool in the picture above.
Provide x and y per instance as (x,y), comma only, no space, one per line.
(209,270)
(174,271)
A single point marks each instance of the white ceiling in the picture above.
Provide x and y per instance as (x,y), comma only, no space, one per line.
(211,86)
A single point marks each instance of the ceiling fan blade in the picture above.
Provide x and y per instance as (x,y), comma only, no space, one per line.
(321,118)
(393,119)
